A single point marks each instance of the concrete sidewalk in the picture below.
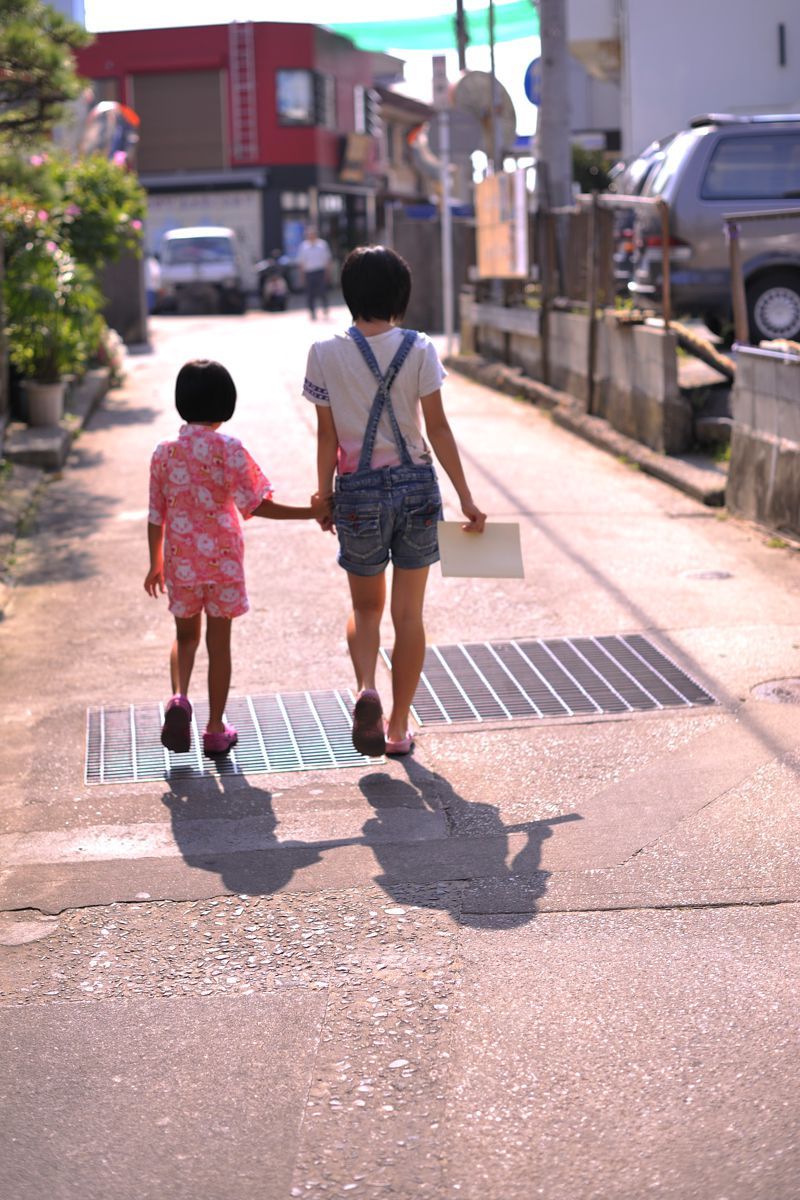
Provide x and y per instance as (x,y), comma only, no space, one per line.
(549,957)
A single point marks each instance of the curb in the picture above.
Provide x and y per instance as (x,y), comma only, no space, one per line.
(693,475)
(32,455)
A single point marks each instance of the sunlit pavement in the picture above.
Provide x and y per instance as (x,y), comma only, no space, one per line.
(550,958)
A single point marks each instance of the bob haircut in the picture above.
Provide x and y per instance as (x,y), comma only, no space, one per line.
(204,392)
(376,284)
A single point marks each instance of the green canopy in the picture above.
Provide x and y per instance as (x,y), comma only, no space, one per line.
(518,19)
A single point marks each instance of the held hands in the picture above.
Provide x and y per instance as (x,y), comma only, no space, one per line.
(322,507)
(476,520)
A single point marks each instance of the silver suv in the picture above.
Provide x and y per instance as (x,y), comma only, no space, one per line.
(717,167)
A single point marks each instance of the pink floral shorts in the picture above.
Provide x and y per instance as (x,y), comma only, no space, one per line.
(227,600)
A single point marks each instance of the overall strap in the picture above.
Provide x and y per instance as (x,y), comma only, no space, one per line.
(382,396)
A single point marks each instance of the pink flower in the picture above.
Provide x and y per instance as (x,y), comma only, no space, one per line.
(36,160)
(42,215)
(119,158)
(51,247)
(136,224)
(72,211)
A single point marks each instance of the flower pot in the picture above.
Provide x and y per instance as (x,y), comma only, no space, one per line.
(45,401)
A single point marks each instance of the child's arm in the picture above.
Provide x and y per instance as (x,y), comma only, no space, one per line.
(327,452)
(444,446)
(317,510)
(327,449)
(154,580)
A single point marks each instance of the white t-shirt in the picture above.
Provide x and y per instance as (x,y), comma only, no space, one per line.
(337,377)
(314,256)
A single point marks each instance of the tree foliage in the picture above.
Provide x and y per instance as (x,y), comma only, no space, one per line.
(37,68)
(590,169)
(98,207)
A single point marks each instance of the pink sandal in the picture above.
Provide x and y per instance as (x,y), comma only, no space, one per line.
(402,745)
(219,743)
(368,735)
(176,732)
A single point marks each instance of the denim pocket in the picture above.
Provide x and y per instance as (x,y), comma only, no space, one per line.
(420,514)
(359,530)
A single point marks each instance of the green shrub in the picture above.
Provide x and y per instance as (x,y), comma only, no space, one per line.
(52,304)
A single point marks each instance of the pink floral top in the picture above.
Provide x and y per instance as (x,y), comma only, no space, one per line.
(197,482)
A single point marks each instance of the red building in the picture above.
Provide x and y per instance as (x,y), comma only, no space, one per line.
(260,126)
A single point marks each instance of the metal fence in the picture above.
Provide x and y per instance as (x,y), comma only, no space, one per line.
(733,231)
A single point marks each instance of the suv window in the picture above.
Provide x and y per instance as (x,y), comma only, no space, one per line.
(676,152)
(181,251)
(759,167)
(628,179)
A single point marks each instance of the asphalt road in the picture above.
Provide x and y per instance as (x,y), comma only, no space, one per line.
(544,957)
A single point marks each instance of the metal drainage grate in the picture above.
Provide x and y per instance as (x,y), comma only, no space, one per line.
(301,731)
(482,681)
(564,677)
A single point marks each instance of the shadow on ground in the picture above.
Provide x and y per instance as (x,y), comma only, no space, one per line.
(439,868)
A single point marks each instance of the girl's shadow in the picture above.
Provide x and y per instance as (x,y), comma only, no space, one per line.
(478,858)
(226,825)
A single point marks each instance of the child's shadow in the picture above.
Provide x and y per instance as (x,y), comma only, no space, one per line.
(480,857)
(227,826)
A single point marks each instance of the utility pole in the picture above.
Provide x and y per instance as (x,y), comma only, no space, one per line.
(554,153)
(441,102)
(497,166)
(462,39)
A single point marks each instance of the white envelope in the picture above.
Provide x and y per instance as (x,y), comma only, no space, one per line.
(494,554)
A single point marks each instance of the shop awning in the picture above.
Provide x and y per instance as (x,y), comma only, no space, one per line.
(513,20)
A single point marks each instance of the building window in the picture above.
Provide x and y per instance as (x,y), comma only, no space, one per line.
(359,109)
(325,95)
(306,98)
(295,97)
(291,201)
(331,203)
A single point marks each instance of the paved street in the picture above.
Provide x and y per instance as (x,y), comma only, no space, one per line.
(546,957)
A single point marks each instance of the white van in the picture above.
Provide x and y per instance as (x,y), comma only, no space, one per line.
(203,267)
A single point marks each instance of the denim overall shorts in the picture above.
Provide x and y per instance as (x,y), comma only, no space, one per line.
(390,513)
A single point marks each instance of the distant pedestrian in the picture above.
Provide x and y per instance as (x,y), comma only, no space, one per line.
(370,385)
(197,482)
(314,257)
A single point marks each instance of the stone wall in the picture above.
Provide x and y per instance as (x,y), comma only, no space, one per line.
(764,474)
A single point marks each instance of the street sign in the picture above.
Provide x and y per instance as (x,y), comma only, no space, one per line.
(533,82)
(440,85)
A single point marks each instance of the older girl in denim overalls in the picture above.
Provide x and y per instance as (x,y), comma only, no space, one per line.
(386,500)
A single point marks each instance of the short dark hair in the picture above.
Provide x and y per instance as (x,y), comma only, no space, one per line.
(376,283)
(205,392)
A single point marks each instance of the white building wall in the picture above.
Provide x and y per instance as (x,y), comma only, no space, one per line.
(594,103)
(695,56)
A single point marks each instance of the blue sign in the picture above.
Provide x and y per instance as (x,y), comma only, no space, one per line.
(533,82)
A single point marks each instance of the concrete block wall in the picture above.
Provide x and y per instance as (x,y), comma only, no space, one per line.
(641,397)
(569,353)
(764,473)
(636,366)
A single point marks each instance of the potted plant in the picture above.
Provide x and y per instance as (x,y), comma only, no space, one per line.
(52,320)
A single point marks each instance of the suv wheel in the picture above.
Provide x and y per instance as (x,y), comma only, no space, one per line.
(773,304)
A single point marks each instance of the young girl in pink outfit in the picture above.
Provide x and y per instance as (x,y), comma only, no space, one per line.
(197,483)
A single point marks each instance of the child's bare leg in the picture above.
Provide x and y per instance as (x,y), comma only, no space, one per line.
(184,648)
(218,643)
(408,655)
(368,593)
